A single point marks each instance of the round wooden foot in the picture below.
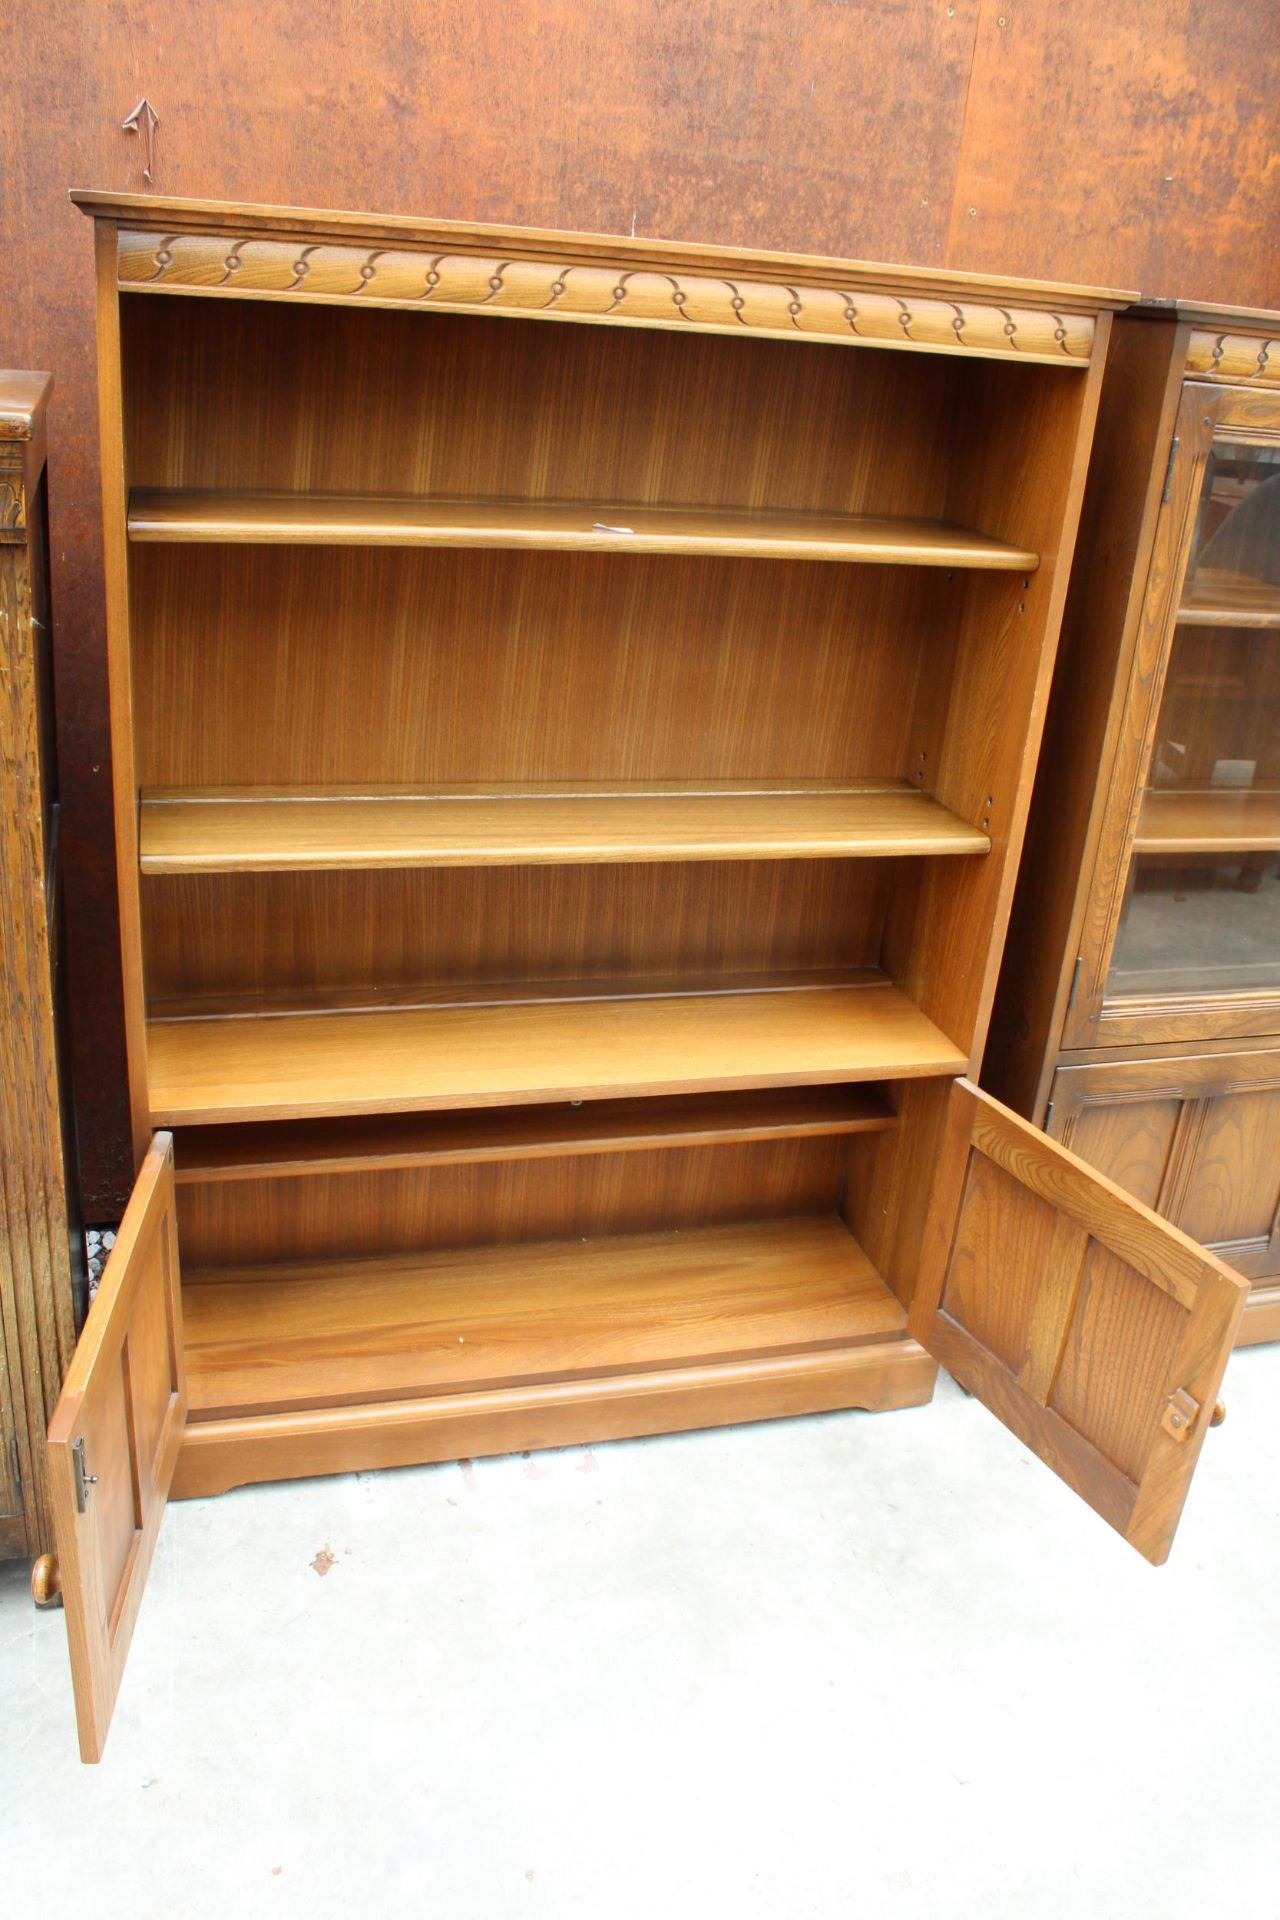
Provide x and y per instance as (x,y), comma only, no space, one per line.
(46,1582)
(1219,1413)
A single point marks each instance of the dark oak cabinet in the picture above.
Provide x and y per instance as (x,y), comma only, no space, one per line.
(1138,1017)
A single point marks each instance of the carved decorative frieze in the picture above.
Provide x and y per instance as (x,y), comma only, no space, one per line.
(13,491)
(1243,359)
(583,290)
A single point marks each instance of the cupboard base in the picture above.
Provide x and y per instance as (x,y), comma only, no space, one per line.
(217,1455)
(1261,1316)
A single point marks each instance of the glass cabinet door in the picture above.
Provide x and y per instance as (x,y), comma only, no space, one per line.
(1186,930)
(1202,908)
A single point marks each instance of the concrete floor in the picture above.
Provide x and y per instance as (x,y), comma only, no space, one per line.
(855,1665)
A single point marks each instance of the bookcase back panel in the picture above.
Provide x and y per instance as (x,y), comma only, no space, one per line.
(357,937)
(263,397)
(420,1209)
(256,666)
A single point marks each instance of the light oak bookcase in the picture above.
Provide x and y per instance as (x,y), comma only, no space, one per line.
(574,707)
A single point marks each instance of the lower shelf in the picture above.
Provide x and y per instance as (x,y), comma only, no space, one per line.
(512,1052)
(1209,820)
(273,1340)
(523,1347)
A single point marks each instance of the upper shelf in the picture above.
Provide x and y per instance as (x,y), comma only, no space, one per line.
(233,831)
(1217,599)
(323,519)
(1209,820)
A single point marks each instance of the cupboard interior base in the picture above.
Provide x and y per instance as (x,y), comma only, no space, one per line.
(468,1293)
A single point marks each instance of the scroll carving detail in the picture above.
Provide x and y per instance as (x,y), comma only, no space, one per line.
(474,283)
(1242,359)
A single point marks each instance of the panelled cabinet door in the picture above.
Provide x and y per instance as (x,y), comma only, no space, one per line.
(1093,1329)
(114,1440)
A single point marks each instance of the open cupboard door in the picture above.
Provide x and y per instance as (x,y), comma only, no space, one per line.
(113,1443)
(1093,1329)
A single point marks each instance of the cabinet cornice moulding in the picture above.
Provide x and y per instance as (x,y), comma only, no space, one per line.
(270,253)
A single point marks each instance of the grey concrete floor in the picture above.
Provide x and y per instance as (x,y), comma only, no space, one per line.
(855,1665)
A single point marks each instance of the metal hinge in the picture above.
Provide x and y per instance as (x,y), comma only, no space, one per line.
(1075,981)
(1048,1116)
(1168,472)
(83,1478)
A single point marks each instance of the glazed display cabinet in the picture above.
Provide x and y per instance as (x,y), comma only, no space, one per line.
(574,710)
(1139,1011)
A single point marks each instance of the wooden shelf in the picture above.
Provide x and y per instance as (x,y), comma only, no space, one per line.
(511,1053)
(370,520)
(1217,599)
(1209,820)
(230,831)
(273,1339)
(254,1152)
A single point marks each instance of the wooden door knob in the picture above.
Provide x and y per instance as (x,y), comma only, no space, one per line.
(1219,1413)
(46,1582)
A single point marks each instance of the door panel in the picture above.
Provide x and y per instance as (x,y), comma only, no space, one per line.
(1197,1137)
(113,1443)
(1094,1330)
(1233,1187)
(1129,1138)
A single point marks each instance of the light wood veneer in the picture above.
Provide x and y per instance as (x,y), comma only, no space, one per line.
(565,526)
(499,1053)
(215,1155)
(315,1336)
(231,832)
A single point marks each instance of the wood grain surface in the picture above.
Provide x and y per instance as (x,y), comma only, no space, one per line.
(260,1340)
(499,667)
(268,1067)
(358,1211)
(231,832)
(217,1155)
(38,1230)
(878,1374)
(608,527)
(1076,1315)
(1197,1137)
(121,1415)
(1126,149)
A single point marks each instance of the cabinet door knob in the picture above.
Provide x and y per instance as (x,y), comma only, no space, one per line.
(1219,1413)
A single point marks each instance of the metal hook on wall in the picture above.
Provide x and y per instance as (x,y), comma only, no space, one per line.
(143,121)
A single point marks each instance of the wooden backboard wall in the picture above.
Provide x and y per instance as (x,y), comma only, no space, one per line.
(1137,146)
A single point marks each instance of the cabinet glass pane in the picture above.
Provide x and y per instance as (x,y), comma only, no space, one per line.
(1202,914)
(1209,925)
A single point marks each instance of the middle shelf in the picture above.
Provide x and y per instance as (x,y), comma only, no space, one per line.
(528,1047)
(231,830)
